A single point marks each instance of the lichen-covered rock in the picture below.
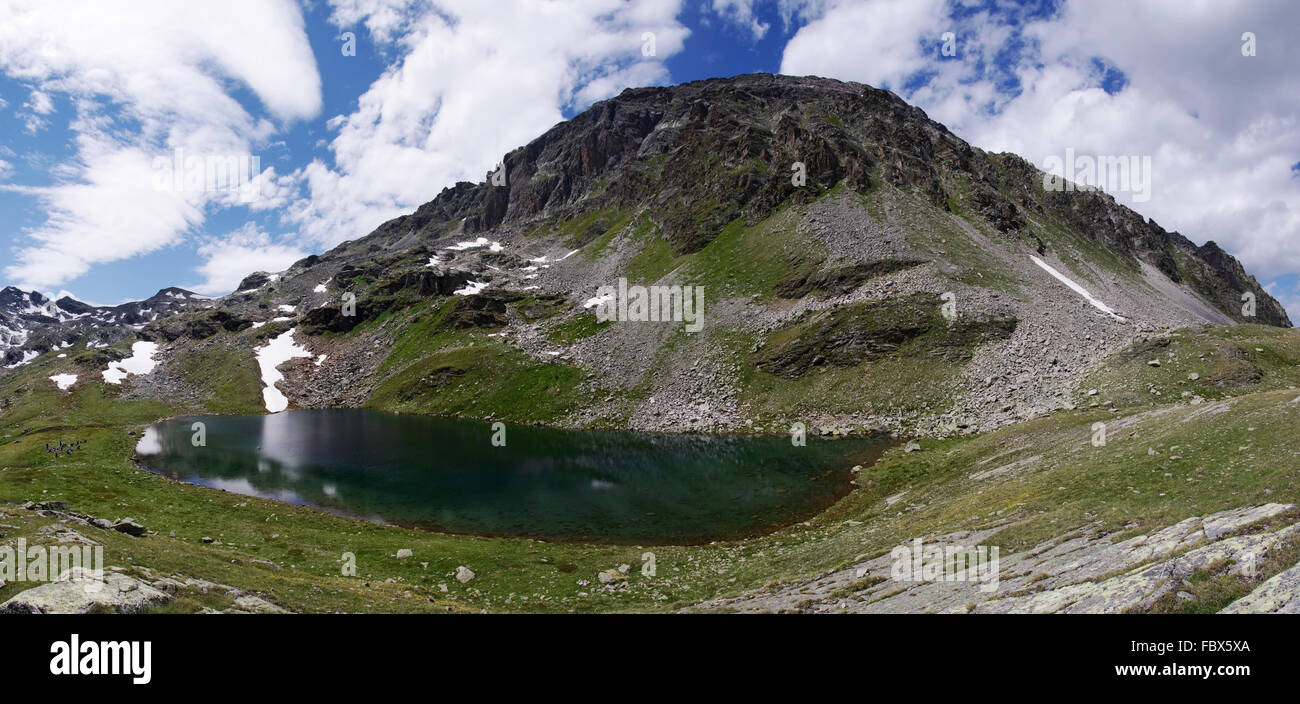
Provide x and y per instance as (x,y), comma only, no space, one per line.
(1080,572)
(81,591)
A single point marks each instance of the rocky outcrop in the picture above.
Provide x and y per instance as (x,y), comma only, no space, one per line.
(1279,595)
(82,591)
(846,336)
(1080,572)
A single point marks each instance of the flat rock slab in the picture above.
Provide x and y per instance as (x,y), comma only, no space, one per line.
(1076,572)
(1280,594)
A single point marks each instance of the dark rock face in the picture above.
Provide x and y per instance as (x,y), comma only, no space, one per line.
(846,336)
(837,280)
(331,318)
(74,306)
(477,311)
(252,281)
(488,308)
(1226,281)
(199,326)
(425,282)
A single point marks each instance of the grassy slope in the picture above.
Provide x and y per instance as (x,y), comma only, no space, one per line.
(1227,361)
(433,369)
(1240,451)
(1227,456)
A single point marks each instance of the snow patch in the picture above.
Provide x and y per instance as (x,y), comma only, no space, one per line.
(480,242)
(286,308)
(276,352)
(598,300)
(1076,288)
(473,288)
(64,381)
(139,363)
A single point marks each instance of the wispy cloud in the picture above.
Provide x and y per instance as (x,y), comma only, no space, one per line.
(142,80)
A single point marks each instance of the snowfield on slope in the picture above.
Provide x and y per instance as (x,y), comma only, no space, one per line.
(139,363)
(276,352)
(1076,288)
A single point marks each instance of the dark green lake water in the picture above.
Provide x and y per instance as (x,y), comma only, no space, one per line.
(444,474)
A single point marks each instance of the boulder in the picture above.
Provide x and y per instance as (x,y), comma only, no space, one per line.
(130,527)
(80,591)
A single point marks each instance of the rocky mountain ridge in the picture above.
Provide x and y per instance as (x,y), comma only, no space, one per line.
(829,224)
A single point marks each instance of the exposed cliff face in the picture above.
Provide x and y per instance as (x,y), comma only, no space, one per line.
(800,205)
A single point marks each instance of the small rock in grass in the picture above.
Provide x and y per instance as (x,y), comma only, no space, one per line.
(403,553)
(610,577)
(130,527)
(464,574)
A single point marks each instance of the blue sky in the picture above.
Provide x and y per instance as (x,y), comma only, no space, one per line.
(437,90)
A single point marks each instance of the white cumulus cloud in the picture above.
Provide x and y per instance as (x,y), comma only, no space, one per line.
(230,258)
(474,80)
